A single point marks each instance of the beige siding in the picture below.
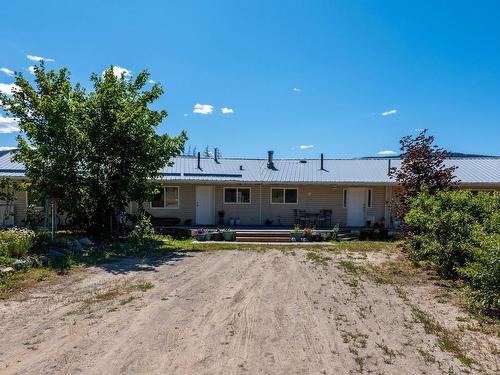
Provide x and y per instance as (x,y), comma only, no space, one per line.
(249,214)
(186,210)
(20,207)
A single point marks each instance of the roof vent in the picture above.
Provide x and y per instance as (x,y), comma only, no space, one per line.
(270,162)
(302,161)
(241,167)
(199,161)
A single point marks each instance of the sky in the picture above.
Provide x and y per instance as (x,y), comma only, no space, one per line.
(344,78)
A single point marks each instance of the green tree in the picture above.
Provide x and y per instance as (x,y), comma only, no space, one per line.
(93,151)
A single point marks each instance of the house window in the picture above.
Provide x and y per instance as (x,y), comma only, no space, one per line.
(345,198)
(284,196)
(167,197)
(369,198)
(237,195)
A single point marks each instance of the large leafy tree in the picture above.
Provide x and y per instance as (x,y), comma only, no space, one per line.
(422,167)
(93,151)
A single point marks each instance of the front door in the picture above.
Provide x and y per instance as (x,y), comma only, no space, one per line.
(204,205)
(356,207)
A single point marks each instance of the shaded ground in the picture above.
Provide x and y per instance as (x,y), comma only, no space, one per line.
(244,312)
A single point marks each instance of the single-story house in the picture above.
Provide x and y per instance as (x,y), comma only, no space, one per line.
(353,192)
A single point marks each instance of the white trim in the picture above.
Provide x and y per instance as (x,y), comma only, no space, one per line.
(237,188)
(282,188)
(165,199)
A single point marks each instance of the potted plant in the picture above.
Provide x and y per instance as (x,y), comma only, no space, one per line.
(217,235)
(335,231)
(296,234)
(229,235)
(308,235)
(200,234)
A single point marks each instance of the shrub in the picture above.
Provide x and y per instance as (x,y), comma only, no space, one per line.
(143,231)
(16,242)
(459,233)
(482,274)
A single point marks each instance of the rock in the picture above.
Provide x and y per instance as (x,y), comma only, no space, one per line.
(6,269)
(77,246)
(19,263)
(85,242)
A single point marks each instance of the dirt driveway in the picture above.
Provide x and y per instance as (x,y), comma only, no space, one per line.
(234,312)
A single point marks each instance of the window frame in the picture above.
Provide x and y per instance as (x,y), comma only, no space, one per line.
(344,198)
(164,187)
(237,188)
(284,194)
(369,198)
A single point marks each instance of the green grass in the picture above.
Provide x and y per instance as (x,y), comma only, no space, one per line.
(350,267)
(145,286)
(318,258)
(446,340)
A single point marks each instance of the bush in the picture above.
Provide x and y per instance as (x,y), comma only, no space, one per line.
(459,233)
(16,242)
(143,231)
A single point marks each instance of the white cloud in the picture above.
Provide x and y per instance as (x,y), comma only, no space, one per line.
(118,71)
(296,89)
(185,115)
(7,71)
(31,69)
(203,109)
(39,58)
(151,81)
(387,152)
(390,112)
(8,125)
(7,148)
(226,110)
(8,88)
(304,147)
(419,129)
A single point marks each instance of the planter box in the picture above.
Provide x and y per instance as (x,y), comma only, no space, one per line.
(200,236)
(217,236)
(229,235)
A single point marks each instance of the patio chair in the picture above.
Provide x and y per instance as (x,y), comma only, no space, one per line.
(325,218)
(299,217)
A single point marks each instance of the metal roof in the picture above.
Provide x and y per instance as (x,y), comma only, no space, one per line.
(481,170)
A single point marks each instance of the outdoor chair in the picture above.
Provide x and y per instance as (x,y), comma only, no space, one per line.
(325,218)
(300,217)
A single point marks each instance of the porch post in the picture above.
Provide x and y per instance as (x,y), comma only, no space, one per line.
(387,209)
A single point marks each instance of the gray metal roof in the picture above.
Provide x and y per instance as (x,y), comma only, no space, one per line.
(336,171)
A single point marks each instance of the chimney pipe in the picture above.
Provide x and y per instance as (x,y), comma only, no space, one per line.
(322,162)
(199,161)
(270,163)
(389,168)
(216,155)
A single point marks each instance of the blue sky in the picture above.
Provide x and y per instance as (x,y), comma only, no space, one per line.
(316,74)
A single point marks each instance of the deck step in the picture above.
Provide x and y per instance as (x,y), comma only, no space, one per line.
(263,239)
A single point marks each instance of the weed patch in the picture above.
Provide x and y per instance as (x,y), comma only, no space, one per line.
(145,286)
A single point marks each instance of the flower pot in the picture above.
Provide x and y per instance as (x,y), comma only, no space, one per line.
(297,236)
(229,235)
(200,236)
(217,236)
(208,236)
